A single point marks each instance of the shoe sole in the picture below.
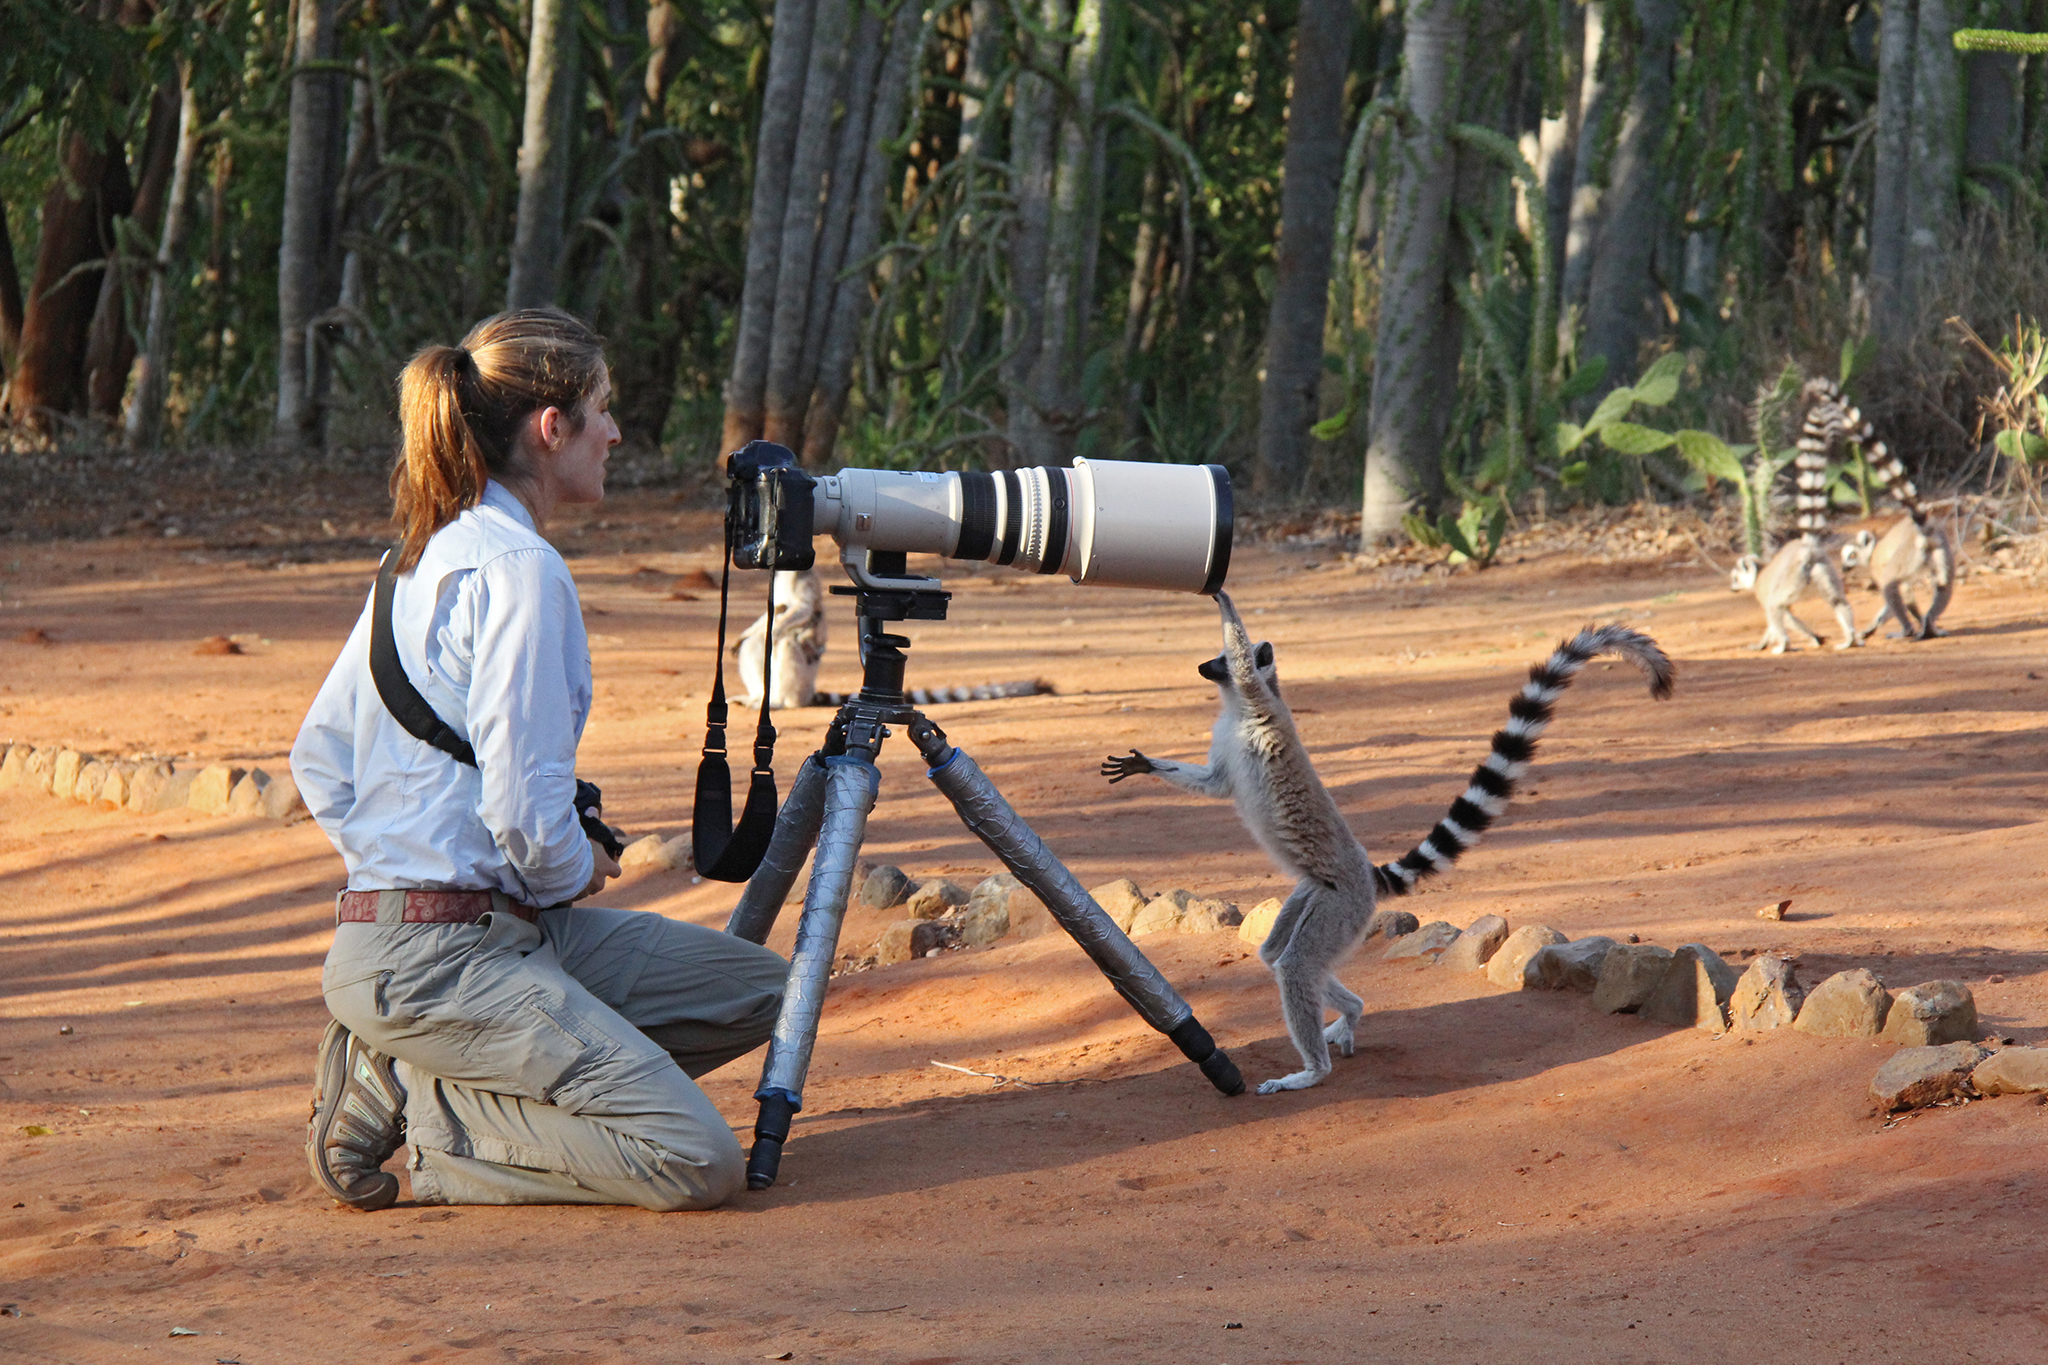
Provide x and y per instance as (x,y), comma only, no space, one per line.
(376,1190)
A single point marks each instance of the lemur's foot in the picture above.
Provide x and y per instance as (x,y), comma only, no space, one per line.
(1340,1035)
(1300,1080)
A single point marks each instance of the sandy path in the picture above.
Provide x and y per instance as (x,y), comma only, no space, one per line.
(1495,1176)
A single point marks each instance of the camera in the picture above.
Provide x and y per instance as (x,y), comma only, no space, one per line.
(1118,523)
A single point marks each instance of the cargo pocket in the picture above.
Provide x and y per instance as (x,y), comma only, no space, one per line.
(538,1045)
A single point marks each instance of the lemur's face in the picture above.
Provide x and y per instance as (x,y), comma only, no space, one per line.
(1217,670)
(1742,578)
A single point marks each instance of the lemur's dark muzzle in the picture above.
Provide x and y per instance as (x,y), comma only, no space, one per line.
(1215,670)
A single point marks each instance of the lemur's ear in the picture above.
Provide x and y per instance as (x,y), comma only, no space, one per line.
(1264,657)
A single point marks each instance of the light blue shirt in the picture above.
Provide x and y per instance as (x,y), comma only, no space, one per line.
(490,631)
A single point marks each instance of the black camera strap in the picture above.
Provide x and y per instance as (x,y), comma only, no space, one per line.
(722,852)
(419,719)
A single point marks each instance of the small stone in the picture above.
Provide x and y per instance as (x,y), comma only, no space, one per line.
(2012,1071)
(1426,942)
(212,786)
(1162,912)
(1259,922)
(1391,924)
(1931,1014)
(113,791)
(42,766)
(1774,911)
(1571,966)
(146,786)
(1627,976)
(981,925)
(247,797)
(1916,1077)
(1768,996)
(1121,900)
(894,944)
(1209,917)
(1002,905)
(1850,1004)
(14,768)
(217,644)
(64,775)
(91,778)
(931,936)
(885,887)
(1693,992)
(177,792)
(1506,966)
(282,802)
(936,897)
(1476,946)
(652,852)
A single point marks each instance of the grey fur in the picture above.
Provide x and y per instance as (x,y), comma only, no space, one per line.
(1909,551)
(799,643)
(1798,565)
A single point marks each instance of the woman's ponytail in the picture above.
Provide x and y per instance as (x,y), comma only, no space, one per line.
(461,408)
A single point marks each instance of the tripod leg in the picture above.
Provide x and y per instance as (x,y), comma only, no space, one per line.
(796,829)
(989,817)
(850,785)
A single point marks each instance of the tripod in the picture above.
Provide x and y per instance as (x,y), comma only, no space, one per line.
(828,808)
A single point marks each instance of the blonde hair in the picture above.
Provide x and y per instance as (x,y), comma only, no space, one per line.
(461,407)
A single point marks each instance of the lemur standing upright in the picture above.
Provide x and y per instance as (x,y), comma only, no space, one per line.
(800,647)
(1918,545)
(1257,759)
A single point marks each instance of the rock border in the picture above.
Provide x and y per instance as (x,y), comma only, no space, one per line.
(145,785)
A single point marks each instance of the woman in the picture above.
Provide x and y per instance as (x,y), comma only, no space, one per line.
(527,1051)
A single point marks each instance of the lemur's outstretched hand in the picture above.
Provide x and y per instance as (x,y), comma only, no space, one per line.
(1117,769)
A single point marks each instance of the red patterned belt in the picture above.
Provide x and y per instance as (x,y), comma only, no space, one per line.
(426,907)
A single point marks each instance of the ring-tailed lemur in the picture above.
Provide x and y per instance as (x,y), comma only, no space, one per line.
(800,645)
(1257,759)
(1798,565)
(1918,545)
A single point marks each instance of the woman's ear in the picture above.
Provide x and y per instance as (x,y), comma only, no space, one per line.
(550,427)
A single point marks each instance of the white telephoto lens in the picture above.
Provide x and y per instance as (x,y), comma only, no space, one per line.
(1119,523)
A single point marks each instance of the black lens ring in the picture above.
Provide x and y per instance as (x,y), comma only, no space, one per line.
(1013,516)
(1055,521)
(977,515)
(1219,551)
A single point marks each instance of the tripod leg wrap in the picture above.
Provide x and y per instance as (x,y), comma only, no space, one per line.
(796,829)
(984,811)
(850,785)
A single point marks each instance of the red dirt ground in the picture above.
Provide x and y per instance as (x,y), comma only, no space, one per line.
(1495,1176)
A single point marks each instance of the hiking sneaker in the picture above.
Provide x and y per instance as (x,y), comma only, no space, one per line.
(358,1121)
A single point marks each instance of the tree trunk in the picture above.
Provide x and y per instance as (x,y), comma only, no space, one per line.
(1418,323)
(146,411)
(90,190)
(1055,377)
(10,302)
(851,299)
(1890,295)
(1313,165)
(306,257)
(1621,292)
(1992,134)
(784,416)
(547,137)
(781,104)
(1582,222)
(1033,127)
(110,346)
(984,56)
(1932,207)
(1557,139)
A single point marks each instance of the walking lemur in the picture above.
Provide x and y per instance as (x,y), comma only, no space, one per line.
(1257,759)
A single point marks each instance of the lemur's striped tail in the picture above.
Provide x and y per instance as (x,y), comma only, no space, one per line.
(1830,416)
(935,696)
(1493,782)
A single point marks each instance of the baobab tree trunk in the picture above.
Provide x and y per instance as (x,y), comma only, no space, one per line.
(775,144)
(306,257)
(1582,223)
(110,346)
(144,428)
(1033,127)
(850,298)
(1620,293)
(1055,377)
(546,139)
(783,418)
(1313,166)
(89,192)
(1416,348)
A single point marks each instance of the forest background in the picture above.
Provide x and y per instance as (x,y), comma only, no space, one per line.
(1458,254)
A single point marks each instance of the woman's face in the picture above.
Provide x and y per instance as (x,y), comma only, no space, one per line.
(572,461)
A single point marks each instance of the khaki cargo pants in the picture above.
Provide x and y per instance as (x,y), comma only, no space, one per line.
(551,1063)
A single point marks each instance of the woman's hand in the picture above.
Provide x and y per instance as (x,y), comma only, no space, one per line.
(602,870)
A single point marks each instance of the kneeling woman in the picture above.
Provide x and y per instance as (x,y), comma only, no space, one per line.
(529,1052)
